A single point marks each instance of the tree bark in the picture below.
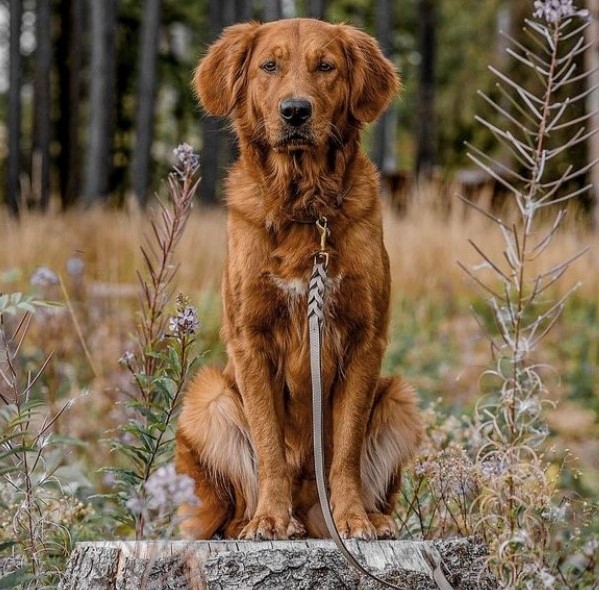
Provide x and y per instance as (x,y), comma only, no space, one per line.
(317,9)
(592,63)
(102,100)
(425,134)
(42,119)
(212,131)
(70,48)
(244,10)
(13,194)
(272,565)
(271,10)
(383,144)
(146,99)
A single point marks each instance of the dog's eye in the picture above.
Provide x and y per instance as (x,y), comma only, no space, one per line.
(269,66)
(325,66)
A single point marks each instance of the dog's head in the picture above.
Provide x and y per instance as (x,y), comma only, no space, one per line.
(295,84)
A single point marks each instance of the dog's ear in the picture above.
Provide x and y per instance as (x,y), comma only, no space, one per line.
(373,78)
(220,77)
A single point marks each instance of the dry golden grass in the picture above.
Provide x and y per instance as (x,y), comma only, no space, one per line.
(424,249)
(108,242)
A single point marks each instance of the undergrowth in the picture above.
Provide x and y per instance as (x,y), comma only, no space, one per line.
(489,475)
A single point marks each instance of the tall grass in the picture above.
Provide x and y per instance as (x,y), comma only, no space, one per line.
(423,247)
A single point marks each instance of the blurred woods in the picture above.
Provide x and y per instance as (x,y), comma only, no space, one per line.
(95,93)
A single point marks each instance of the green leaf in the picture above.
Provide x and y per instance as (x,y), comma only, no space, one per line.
(67,441)
(25,306)
(14,450)
(12,580)
(7,544)
(11,275)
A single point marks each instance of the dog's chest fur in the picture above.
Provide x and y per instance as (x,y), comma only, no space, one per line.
(290,269)
(292,263)
(295,289)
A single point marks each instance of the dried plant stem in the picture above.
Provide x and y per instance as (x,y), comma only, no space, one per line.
(69,305)
(167,229)
(510,418)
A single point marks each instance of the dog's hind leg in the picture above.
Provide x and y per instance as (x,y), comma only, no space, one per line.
(394,433)
(214,448)
(214,507)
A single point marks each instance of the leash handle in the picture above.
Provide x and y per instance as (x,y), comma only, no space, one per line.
(315,323)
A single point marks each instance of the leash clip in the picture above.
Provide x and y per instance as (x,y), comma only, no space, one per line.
(324,232)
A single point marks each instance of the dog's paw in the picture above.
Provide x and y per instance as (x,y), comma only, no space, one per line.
(296,529)
(353,525)
(385,526)
(266,528)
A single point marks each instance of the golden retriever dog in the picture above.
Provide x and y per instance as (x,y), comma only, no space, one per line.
(297,92)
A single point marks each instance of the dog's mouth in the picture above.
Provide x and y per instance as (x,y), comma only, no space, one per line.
(294,139)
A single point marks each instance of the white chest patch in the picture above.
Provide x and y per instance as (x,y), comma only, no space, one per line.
(297,288)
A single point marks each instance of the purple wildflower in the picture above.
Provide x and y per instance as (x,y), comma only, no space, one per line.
(185,322)
(75,266)
(43,277)
(166,490)
(555,10)
(187,161)
(127,358)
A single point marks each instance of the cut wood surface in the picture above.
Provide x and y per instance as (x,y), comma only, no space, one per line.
(184,565)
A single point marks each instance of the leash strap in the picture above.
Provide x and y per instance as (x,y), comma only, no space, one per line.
(316,297)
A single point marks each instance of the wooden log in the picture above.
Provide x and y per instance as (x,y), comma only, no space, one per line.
(199,565)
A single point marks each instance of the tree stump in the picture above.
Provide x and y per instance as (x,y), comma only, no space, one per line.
(199,565)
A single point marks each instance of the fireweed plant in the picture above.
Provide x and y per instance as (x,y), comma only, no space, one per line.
(147,490)
(491,480)
(40,514)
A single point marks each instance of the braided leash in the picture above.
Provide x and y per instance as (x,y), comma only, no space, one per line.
(316,295)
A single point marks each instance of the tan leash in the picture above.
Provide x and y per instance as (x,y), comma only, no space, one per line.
(316,297)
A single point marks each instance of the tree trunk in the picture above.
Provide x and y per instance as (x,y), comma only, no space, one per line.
(272,565)
(13,194)
(212,131)
(102,100)
(244,10)
(146,99)
(42,119)
(70,48)
(383,143)
(425,133)
(592,63)
(271,10)
(317,9)
(218,144)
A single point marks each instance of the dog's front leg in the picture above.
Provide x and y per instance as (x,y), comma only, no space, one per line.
(262,395)
(352,403)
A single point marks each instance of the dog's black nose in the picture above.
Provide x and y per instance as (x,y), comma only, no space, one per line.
(295,111)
